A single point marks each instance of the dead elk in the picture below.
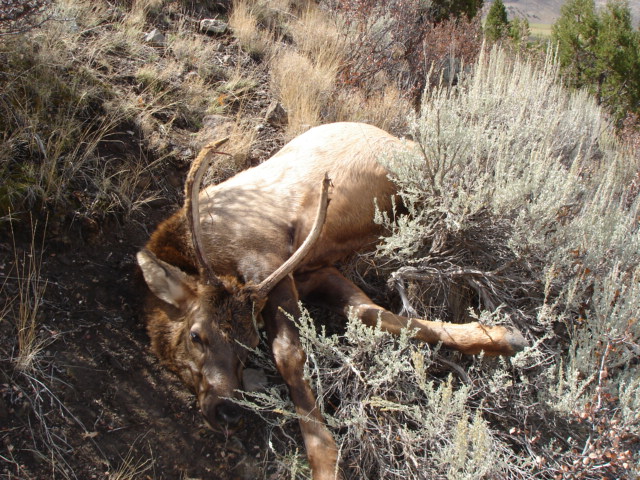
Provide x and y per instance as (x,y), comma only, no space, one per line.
(241,253)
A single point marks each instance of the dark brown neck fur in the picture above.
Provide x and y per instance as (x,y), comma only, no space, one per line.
(171,242)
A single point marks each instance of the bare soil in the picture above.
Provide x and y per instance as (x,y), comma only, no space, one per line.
(105,400)
(99,405)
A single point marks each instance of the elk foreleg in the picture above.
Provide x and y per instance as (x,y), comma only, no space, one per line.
(290,358)
(330,288)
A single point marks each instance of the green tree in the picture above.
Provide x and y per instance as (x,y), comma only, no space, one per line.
(576,34)
(519,30)
(600,51)
(497,23)
(617,85)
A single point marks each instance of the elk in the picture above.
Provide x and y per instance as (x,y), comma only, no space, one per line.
(242,253)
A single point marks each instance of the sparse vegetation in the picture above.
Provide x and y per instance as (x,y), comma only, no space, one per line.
(244,22)
(21,15)
(31,376)
(397,43)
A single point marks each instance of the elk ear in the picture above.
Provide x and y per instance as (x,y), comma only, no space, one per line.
(166,281)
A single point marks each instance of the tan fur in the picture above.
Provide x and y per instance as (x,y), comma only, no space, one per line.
(251,224)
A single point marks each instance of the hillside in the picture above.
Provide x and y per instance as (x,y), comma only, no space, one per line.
(524,212)
(547,11)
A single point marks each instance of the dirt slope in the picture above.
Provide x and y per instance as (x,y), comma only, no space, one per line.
(98,405)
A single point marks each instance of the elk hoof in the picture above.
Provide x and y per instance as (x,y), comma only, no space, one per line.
(515,340)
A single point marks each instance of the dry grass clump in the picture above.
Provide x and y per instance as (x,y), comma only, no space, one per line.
(132,467)
(388,109)
(24,307)
(317,35)
(306,78)
(244,22)
(304,87)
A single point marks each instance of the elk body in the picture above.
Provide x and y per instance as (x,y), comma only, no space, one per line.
(210,271)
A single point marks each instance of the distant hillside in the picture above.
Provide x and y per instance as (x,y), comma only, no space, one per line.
(547,11)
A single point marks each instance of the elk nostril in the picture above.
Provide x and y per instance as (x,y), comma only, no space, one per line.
(229,413)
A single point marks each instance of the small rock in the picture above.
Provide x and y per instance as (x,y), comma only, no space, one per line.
(247,468)
(214,121)
(276,114)
(155,38)
(213,26)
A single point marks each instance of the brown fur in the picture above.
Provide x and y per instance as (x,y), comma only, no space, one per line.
(251,224)
(171,242)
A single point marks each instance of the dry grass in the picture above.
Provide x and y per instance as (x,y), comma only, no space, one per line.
(305,76)
(387,110)
(304,88)
(237,151)
(317,36)
(54,124)
(198,54)
(132,467)
(58,125)
(24,308)
(244,23)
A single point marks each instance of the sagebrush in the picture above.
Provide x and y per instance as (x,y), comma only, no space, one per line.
(521,212)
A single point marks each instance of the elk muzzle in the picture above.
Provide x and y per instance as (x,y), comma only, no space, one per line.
(220,412)
(218,385)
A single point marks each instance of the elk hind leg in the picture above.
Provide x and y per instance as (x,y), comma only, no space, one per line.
(330,288)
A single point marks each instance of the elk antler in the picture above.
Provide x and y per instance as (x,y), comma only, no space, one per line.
(263,289)
(191,193)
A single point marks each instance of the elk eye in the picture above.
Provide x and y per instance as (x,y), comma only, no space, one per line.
(195,338)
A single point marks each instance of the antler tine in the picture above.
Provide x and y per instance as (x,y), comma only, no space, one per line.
(263,289)
(191,193)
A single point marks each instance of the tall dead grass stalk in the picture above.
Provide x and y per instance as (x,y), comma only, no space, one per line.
(25,306)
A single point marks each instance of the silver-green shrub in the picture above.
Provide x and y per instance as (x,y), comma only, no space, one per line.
(521,212)
(522,194)
(391,419)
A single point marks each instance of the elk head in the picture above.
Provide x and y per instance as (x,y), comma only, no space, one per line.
(202,325)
